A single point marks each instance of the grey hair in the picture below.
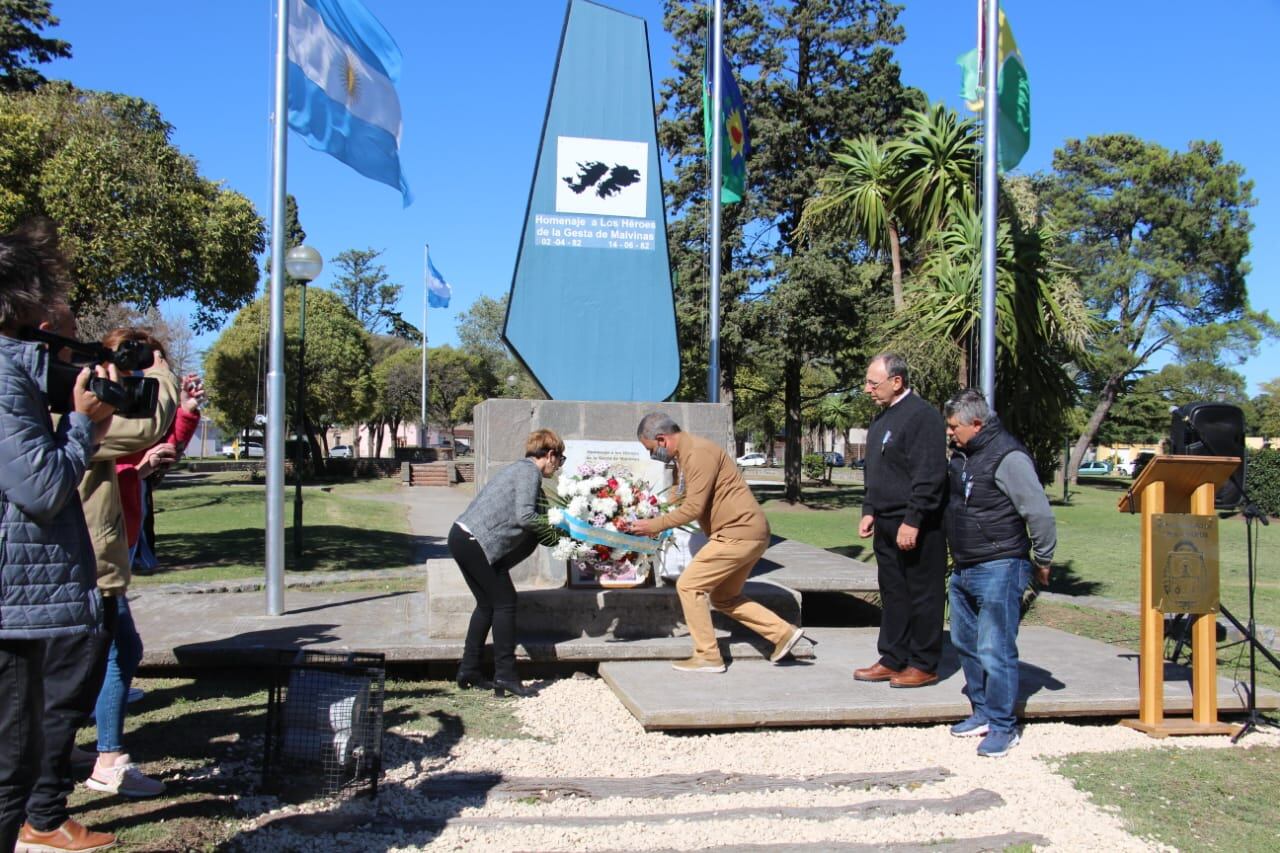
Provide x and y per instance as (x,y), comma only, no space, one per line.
(33,274)
(655,424)
(894,365)
(967,406)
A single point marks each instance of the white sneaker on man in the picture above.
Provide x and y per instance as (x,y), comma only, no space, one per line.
(124,779)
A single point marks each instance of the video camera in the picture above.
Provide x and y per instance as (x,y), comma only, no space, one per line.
(132,396)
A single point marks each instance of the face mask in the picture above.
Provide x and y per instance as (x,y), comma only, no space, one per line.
(660,454)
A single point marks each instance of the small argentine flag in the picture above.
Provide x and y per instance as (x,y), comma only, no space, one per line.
(342,97)
(438,290)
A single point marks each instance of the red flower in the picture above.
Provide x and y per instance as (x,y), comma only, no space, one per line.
(613,483)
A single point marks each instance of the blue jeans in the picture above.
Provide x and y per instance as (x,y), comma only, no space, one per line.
(123,657)
(986,604)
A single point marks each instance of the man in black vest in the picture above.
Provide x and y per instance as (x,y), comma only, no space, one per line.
(998,521)
(906,486)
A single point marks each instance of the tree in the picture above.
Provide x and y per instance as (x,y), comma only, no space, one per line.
(862,199)
(455,383)
(1158,238)
(480,333)
(818,72)
(397,380)
(339,375)
(365,288)
(138,221)
(1266,407)
(22,45)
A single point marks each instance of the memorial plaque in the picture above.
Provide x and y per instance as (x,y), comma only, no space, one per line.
(1184,560)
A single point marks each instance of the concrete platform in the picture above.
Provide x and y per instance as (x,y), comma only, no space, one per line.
(569,614)
(805,568)
(1062,675)
(231,629)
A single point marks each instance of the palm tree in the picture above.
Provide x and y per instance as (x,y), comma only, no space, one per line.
(861,200)
(937,156)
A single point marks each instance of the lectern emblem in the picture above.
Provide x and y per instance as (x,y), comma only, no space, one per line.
(1184,576)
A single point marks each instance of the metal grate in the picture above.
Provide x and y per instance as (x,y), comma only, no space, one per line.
(324,724)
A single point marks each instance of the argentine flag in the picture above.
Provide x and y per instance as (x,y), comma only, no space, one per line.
(342,98)
(438,290)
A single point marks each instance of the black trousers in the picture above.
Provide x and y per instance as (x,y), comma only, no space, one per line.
(21,703)
(913,596)
(73,672)
(495,607)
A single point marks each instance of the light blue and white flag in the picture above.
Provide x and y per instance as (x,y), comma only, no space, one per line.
(438,290)
(342,97)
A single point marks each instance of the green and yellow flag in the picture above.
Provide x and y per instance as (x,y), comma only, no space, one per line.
(1013,92)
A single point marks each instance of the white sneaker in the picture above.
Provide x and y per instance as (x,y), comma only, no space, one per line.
(124,779)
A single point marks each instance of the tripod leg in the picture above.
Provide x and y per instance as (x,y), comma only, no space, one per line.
(1266,653)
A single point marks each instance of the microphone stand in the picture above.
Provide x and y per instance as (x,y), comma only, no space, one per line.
(1253,718)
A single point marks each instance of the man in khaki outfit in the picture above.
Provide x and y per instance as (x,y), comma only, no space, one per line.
(711,491)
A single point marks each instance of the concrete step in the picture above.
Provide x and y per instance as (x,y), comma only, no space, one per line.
(600,614)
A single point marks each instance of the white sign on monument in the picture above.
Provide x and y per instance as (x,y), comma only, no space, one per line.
(578,451)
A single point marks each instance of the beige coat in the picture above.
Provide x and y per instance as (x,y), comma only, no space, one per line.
(100,491)
(713,493)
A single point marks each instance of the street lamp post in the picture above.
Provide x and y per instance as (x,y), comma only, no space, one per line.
(303,264)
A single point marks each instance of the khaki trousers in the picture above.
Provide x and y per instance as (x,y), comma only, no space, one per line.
(715,578)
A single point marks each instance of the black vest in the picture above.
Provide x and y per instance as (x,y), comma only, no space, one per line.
(982,522)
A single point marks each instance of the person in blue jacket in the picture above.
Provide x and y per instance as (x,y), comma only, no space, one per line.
(48,575)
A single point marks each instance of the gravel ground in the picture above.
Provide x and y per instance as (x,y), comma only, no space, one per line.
(579,728)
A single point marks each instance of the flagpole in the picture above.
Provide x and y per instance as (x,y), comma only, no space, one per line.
(426,290)
(990,191)
(717,180)
(274,448)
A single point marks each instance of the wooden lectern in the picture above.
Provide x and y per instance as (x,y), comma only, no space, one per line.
(1173,490)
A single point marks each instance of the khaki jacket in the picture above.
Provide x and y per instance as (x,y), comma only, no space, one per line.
(100,491)
(712,492)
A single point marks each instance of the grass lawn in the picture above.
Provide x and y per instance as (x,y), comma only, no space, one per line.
(211,528)
(1190,799)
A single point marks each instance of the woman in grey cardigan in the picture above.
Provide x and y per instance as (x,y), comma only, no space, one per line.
(495,533)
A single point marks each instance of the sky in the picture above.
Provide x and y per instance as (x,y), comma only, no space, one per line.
(477,77)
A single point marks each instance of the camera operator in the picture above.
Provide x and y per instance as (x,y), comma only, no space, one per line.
(47,590)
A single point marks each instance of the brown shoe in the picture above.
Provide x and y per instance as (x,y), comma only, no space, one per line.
(876,672)
(69,836)
(912,677)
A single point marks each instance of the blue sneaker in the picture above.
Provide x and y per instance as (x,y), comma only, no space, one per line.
(975,726)
(997,744)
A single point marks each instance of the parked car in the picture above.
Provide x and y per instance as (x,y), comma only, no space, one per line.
(833,458)
(1095,468)
(248,450)
(340,451)
(858,463)
(1133,467)
(752,460)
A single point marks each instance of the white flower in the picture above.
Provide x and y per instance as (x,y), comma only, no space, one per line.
(564,549)
(624,494)
(555,515)
(579,507)
(596,483)
(604,506)
(618,554)
(566,487)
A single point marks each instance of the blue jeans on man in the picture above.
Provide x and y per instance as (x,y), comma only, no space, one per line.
(986,606)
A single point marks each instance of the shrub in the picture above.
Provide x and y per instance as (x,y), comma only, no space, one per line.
(814,465)
(1262,480)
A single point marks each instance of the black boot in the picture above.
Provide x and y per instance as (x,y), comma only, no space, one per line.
(503,686)
(469,680)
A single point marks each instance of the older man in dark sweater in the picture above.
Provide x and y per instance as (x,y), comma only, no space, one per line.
(906,474)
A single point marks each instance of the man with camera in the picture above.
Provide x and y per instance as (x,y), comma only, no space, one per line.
(47,574)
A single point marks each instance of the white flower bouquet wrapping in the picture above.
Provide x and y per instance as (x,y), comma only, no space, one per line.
(596,503)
